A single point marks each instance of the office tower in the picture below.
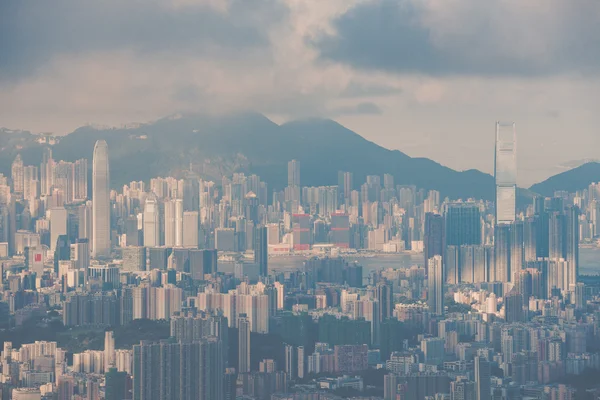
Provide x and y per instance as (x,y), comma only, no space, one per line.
(80,255)
(34,259)
(530,239)
(190,229)
(571,253)
(80,179)
(191,193)
(46,171)
(301,231)
(340,230)
(151,222)
(580,296)
(30,183)
(467,264)
(505,171)
(63,180)
(502,246)
(100,201)
(463,224)
(345,187)
(261,250)
(556,228)
(17,175)
(451,265)
(384,294)
(482,379)
(251,204)
(294,173)
(243,344)
(58,225)
(170,223)
(517,249)
(435,294)
(513,307)
(433,239)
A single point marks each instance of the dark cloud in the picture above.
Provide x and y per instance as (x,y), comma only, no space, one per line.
(470,37)
(358,89)
(359,109)
(32,33)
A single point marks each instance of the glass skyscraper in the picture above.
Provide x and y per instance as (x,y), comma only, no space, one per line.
(505,171)
(100,201)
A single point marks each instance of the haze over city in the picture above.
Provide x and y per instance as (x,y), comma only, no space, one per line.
(299,200)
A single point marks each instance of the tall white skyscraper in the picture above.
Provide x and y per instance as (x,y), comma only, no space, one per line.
(100,201)
(505,171)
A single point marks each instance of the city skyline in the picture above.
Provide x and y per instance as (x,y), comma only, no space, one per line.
(299,200)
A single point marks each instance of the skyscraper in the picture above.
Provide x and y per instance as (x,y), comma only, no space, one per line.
(505,171)
(294,173)
(190,229)
(435,294)
(482,379)
(17,175)
(151,223)
(463,224)
(572,245)
(345,187)
(261,250)
(109,350)
(513,307)
(101,201)
(243,344)
(170,223)
(502,247)
(433,240)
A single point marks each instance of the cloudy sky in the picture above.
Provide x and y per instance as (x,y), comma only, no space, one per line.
(428,77)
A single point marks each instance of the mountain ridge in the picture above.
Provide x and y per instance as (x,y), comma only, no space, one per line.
(573,180)
(251,143)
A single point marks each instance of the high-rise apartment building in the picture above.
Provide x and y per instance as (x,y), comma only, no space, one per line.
(100,201)
(186,371)
(505,171)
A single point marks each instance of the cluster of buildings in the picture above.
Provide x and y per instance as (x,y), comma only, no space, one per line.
(496,309)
